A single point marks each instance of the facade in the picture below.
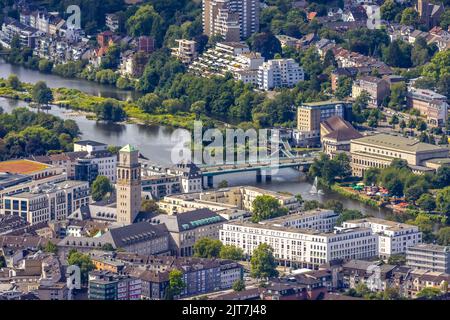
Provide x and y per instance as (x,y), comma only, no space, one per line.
(188,227)
(311,115)
(432,105)
(378,89)
(186,51)
(104,285)
(11,27)
(318,219)
(48,202)
(240,198)
(128,185)
(160,186)
(394,238)
(112,22)
(190,176)
(430,257)
(278,73)
(336,134)
(302,247)
(234,20)
(379,150)
(429,13)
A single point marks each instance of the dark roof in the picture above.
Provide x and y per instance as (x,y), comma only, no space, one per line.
(12,179)
(90,142)
(340,129)
(137,232)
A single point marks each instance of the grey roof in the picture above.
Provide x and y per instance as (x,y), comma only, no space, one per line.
(90,143)
(137,232)
(189,220)
(12,179)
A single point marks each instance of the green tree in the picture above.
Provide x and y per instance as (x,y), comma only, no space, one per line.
(397,259)
(443,201)
(265,43)
(207,248)
(150,102)
(425,225)
(426,202)
(231,253)
(50,247)
(389,10)
(176,284)
(429,293)
(371,175)
(442,177)
(13,82)
(145,22)
(238,285)
(108,247)
(266,207)
(100,187)
(444,236)
(348,214)
(149,205)
(262,262)
(410,17)
(334,205)
(310,205)
(2,262)
(83,261)
(398,96)
(45,66)
(223,184)
(41,94)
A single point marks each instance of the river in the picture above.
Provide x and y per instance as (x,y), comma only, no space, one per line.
(155,142)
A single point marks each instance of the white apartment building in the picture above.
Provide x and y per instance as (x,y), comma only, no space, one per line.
(318,219)
(233,57)
(49,202)
(393,237)
(278,73)
(89,146)
(304,248)
(186,51)
(99,155)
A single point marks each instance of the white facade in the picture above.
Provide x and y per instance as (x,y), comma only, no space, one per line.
(279,73)
(318,219)
(302,247)
(394,237)
(48,202)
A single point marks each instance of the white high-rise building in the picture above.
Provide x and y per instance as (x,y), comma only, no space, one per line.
(233,19)
(278,73)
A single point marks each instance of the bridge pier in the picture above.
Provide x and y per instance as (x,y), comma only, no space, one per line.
(210,181)
(258,176)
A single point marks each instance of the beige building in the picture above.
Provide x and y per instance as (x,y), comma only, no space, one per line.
(432,105)
(128,185)
(379,150)
(235,198)
(336,134)
(186,51)
(378,89)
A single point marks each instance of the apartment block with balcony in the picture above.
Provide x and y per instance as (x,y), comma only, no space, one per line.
(378,89)
(186,50)
(278,73)
(430,257)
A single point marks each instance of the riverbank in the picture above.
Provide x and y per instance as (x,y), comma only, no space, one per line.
(354,195)
(82,102)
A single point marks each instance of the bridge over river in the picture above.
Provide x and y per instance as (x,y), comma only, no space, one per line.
(262,167)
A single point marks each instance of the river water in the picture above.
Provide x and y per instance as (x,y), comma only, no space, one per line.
(155,142)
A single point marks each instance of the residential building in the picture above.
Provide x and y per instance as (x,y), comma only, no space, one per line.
(86,170)
(377,89)
(375,275)
(432,105)
(345,72)
(57,291)
(11,28)
(105,285)
(393,237)
(430,257)
(89,146)
(318,219)
(310,115)
(229,57)
(190,176)
(128,185)
(379,150)
(49,202)
(336,134)
(418,280)
(348,59)
(160,186)
(302,247)
(186,51)
(279,73)
(112,22)
(429,13)
(234,20)
(133,63)
(188,227)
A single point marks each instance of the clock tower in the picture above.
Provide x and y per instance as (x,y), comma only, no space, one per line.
(128,185)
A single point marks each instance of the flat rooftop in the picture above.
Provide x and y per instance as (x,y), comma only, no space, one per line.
(393,225)
(398,143)
(89,143)
(322,103)
(22,166)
